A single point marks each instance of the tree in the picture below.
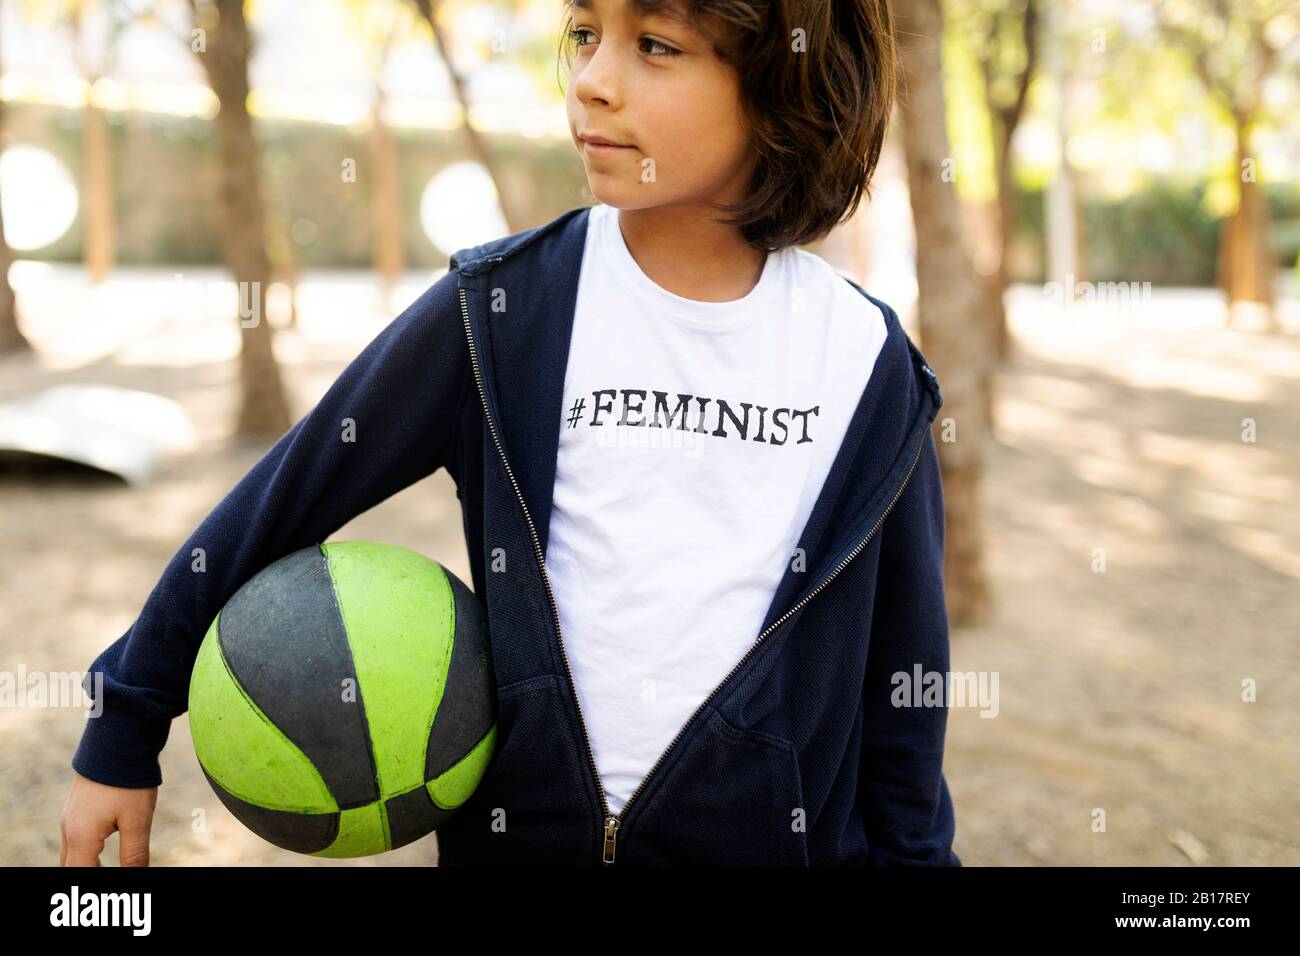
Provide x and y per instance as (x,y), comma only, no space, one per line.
(1005,41)
(11,337)
(380,26)
(1233,49)
(221,40)
(956,342)
(94,30)
(477,145)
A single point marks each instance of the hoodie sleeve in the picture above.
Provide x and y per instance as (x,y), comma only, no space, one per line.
(903,796)
(387,421)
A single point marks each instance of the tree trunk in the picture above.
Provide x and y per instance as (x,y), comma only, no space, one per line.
(11,337)
(954,338)
(993,287)
(1082,261)
(1001,276)
(284,261)
(97,170)
(263,411)
(477,146)
(1004,119)
(385,200)
(1247,253)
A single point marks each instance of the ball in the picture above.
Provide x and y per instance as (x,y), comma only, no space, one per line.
(342,702)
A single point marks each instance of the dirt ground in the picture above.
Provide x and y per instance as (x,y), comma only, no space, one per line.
(1119,438)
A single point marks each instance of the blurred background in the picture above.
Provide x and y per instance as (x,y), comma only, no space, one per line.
(1087,214)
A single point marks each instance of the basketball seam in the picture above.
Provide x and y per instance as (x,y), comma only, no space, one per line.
(221,656)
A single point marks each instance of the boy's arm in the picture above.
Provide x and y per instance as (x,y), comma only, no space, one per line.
(403,395)
(903,796)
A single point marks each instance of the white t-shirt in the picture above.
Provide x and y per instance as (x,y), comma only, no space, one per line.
(666,544)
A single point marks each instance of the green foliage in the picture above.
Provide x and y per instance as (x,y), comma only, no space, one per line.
(1161,234)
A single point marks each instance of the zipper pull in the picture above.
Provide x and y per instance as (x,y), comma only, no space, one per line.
(611,830)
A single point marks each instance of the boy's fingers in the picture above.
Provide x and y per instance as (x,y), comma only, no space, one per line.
(82,850)
(133,844)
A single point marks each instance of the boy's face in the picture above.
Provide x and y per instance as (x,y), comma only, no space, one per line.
(653,83)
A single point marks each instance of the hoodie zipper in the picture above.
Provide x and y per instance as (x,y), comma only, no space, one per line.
(612,821)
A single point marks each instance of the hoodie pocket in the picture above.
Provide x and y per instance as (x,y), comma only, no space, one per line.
(733,798)
(529,808)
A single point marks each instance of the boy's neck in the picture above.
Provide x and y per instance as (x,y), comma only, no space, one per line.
(682,250)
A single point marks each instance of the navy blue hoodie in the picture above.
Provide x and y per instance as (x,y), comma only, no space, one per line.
(800,756)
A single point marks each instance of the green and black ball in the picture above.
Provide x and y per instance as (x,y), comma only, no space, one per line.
(342,703)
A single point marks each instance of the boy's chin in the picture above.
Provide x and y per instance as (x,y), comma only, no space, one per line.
(620,195)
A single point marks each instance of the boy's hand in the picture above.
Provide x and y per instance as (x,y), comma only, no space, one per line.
(94,810)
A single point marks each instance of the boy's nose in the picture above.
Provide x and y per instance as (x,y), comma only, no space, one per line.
(599,80)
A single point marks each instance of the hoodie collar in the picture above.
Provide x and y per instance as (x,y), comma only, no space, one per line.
(520,312)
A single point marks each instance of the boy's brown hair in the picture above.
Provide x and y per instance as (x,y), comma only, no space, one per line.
(817,102)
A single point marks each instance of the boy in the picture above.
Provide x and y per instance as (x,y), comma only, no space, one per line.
(699,489)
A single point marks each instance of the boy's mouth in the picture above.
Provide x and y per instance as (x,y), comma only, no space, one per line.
(599,145)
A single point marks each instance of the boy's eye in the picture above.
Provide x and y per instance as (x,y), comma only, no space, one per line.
(668,51)
(577,34)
